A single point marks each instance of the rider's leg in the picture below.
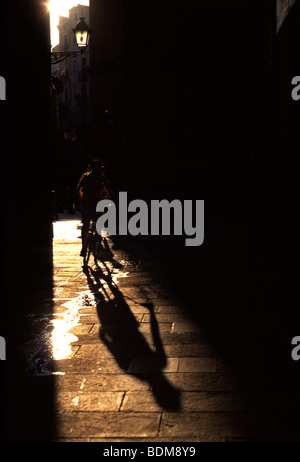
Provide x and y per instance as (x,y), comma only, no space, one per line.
(84,231)
(97,237)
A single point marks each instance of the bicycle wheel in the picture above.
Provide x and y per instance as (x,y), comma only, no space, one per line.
(89,249)
(97,247)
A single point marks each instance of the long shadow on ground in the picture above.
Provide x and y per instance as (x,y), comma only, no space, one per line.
(120,333)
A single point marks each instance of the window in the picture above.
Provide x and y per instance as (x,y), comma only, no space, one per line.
(65,42)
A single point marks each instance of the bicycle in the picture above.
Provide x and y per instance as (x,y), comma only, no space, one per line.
(92,244)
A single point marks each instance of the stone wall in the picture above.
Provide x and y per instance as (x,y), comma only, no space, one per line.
(282,9)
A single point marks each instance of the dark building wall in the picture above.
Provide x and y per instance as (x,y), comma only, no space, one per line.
(282,9)
(193,90)
(201,95)
(189,97)
(287,68)
(2,286)
(105,77)
(26,207)
(27,162)
(286,134)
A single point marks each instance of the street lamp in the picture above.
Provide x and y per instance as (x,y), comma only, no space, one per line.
(82,35)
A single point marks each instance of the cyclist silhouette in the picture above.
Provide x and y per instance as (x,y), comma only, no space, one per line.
(92,187)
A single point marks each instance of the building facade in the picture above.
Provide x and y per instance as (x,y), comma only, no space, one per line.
(70,111)
(73,72)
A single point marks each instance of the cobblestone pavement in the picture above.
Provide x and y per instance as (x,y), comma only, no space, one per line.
(125,359)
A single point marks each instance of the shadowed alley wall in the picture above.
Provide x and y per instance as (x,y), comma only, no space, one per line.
(193,93)
(26,208)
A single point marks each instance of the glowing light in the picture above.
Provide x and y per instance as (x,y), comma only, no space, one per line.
(65,321)
(75,401)
(60,8)
(62,339)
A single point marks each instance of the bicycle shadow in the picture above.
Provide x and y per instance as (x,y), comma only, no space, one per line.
(106,255)
(120,333)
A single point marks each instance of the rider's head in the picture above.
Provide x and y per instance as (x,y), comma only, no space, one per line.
(96,164)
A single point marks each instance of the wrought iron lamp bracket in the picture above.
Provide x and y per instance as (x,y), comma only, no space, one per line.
(60,56)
